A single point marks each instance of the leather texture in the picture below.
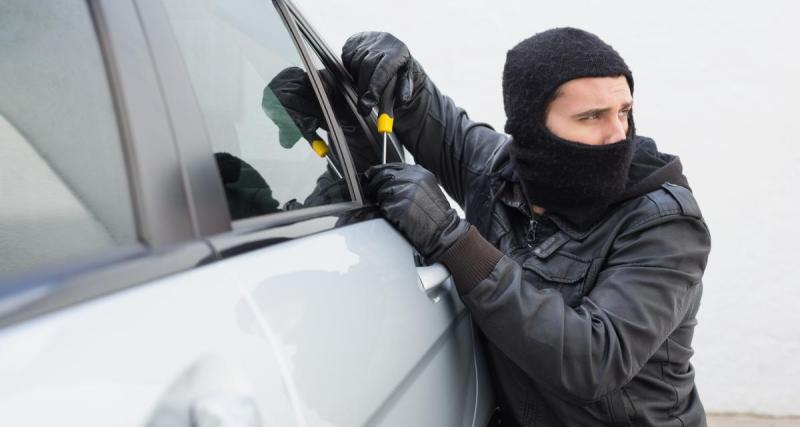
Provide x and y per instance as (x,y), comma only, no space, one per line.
(410,198)
(586,326)
(374,58)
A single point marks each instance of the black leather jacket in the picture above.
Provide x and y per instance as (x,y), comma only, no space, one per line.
(583,327)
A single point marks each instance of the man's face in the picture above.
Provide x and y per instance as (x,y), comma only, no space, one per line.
(591,110)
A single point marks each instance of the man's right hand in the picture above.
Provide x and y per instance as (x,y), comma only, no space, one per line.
(373,58)
(410,198)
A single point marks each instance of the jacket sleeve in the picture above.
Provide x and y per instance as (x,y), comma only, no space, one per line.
(442,138)
(652,275)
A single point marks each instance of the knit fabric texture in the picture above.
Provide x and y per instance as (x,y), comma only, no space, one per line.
(470,260)
(538,65)
(574,179)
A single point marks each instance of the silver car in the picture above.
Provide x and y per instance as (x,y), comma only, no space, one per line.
(181,243)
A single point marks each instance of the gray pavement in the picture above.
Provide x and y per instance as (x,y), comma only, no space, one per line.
(737,420)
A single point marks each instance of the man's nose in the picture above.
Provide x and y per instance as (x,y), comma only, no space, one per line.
(616,130)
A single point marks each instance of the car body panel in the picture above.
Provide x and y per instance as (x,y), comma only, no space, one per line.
(141,356)
(359,334)
(330,329)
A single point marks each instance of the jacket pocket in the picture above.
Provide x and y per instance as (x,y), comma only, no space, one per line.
(620,407)
(560,271)
(558,268)
(630,408)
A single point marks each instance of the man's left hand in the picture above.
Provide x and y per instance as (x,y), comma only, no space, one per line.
(410,198)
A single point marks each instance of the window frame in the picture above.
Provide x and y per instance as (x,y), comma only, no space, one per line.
(203,182)
(180,211)
(336,134)
(161,204)
(234,237)
(343,78)
(166,227)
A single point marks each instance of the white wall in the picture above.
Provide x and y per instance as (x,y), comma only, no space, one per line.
(715,85)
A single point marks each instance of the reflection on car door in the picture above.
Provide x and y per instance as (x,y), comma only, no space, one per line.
(362,342)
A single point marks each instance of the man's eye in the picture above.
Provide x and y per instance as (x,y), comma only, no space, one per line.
(625,112)
(592,116)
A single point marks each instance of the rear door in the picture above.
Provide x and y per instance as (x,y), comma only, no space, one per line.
(336,289)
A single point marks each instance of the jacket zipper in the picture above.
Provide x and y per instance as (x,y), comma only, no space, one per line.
(530,236)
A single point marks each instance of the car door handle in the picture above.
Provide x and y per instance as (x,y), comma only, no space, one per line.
(225,410)
(433,277)
(209,392)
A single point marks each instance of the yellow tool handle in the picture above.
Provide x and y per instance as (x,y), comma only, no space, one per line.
(386,107)
(320,147)
(385,123)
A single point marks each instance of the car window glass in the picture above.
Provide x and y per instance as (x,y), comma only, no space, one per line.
(265,123)
(63,180)
(364,149)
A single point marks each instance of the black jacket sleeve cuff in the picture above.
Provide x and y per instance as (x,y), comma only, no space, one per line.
(470,260)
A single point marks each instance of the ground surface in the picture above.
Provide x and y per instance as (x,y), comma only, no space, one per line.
(751,421)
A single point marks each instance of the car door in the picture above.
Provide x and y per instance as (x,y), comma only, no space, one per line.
(364,335)
(479,390)
(112,311)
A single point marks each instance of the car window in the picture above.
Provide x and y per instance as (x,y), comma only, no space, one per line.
(364,148)
(63,180)
(266,126)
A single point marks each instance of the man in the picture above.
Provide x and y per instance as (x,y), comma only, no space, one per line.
(583,249)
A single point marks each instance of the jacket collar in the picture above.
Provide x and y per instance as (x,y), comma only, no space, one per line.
(649,170)
(505,188)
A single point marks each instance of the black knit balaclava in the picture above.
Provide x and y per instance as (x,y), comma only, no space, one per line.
(568,177)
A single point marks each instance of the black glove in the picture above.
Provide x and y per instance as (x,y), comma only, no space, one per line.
(410,198)
(373,58)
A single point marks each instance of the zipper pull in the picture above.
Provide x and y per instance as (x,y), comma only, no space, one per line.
(530,237)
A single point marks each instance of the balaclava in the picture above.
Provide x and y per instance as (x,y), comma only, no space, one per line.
(576,180)
(289,101)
